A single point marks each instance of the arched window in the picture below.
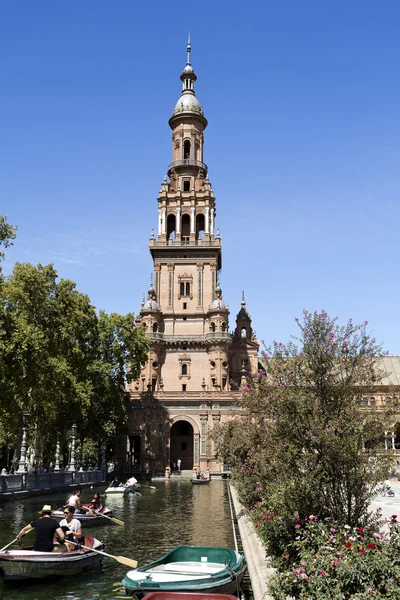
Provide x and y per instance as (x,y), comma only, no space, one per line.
(155,327)
(199,227)
(184,369)
(171,227)
(212,326)
(388,400)
(243,332)
(223,326)
(372,401)
(144,326)
(186,227)
(186,149)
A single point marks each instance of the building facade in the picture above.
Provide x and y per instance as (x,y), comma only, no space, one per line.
(196,366)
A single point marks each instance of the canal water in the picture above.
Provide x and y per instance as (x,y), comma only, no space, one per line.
(175,513)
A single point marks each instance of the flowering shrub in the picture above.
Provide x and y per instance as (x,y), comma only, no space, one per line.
(336,563)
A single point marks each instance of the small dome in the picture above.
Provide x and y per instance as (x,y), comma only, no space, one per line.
(150,305)
(218,303)
(188,69)
(187,103)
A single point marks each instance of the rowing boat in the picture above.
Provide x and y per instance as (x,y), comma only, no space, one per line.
(204,569)
(26,563)
(87,519)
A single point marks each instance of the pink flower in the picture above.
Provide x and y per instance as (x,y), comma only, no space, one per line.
(297,526)
(323,572)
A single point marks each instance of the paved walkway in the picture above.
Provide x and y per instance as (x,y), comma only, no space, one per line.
(389,505)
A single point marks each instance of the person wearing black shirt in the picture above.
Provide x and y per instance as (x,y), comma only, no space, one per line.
(45,528)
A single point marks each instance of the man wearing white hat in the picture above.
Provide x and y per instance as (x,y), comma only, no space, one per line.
(45,528)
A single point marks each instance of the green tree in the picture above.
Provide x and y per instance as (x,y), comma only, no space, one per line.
(309,447)
(61,361)
(7,234)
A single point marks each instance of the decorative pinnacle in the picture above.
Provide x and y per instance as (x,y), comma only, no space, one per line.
(189,49)
(243,300)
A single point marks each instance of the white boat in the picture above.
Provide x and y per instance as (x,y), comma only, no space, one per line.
(121,490)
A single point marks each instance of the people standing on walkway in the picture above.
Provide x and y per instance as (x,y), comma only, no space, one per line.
(178,464)
(71,527)
(45,529)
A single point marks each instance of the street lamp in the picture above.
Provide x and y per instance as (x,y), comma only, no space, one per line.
(22,461)
(72,463)
(57,465)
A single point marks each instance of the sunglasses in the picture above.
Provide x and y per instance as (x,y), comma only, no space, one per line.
(66,513)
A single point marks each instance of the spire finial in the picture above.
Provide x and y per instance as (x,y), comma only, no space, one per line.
(188,48)
(243,300)
(151,280)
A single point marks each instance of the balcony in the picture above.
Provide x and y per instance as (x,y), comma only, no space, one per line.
(207,338)
(216,243)
(191,163)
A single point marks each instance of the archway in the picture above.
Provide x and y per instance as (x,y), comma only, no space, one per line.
(181,444)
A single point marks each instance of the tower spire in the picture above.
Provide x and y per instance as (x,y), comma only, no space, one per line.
(189,49)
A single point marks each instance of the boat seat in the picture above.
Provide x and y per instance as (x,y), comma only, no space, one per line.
(189,568)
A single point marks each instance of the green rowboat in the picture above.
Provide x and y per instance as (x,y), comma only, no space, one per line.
(189,569)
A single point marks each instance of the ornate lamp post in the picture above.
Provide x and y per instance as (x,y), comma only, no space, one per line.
(22,461)
(72,463)
(57,465)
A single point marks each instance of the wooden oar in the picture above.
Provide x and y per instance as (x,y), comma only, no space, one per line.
(113,519)
(10,544)
(128,562)
(152,487)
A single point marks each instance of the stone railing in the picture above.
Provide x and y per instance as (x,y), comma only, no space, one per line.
(212,243)
(178,337)
(20,482)
(187,162)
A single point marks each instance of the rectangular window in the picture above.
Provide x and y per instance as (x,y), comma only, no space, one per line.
(186,186)
(203,429)
(203,446)
(183,387)
(156,285)
(200,288)
(184,305)
(170,289)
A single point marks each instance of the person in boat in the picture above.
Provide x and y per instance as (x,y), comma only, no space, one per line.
(71,527)
(131,482)
(115,482)
(45,530)
(96,504)
(75,501)
(198,476)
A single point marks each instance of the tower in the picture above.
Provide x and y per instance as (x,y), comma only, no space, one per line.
(184,390)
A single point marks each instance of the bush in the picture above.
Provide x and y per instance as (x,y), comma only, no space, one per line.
(336,563)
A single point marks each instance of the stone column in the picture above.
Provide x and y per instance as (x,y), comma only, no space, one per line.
(393,440)
(159,222)
(207,220)
(212,222)
(164,219)
(178,221)
(386,441)
(192,220)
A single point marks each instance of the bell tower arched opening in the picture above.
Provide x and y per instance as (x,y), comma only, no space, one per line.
(181,444)
(186,227)
(200,227)
(171,227)
(186,149)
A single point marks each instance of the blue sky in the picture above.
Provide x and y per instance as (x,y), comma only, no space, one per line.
(303,149)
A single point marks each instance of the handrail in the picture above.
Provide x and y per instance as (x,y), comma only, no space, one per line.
(214,335)
(188,162)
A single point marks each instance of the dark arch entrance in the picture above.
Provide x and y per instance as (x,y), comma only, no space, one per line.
(181,444)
